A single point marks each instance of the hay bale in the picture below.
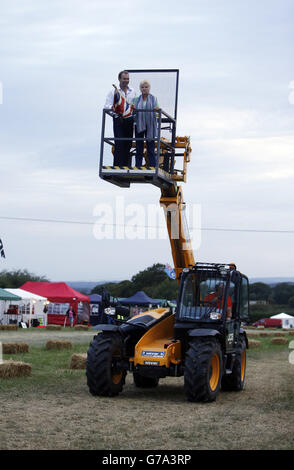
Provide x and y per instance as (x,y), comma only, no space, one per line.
(265,334)
(291,332)
(260,327)
(53,327)
(15,348)
(9,327)
(58,344)
(78,361)
(279,333)
(11,369)
(12,327)
(252,335)
(279,340)
(252,343)
(81,327)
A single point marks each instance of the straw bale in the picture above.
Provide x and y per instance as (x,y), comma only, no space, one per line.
(9,327)
(260,327)
(53,327)
(11,369)
(291,332)
(15,348)
(58,344)
(253,343)
(279,340)
(265,334)
(279,333)
(81,327)
(78,361)
(252,334)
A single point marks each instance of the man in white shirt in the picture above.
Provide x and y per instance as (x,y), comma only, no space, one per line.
(122,127)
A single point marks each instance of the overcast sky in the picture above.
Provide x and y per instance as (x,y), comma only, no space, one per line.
(58,61)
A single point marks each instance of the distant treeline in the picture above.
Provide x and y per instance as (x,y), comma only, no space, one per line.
(16,278)
(153,281)
(280,294)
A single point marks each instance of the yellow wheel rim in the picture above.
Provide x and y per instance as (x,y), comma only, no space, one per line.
(215,369)
(243,365)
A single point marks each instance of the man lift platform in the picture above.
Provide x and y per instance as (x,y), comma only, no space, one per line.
(172,152)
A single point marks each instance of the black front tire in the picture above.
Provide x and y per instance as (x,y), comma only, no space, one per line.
(104,377)
(203,370)
(145,382)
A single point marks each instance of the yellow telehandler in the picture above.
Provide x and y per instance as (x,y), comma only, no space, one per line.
(203,340)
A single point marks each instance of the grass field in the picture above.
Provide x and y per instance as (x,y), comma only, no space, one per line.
(53,409)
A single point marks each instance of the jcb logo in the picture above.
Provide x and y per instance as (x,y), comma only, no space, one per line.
(291,355)
(230,338)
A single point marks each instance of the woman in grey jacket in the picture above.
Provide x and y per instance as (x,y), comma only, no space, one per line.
(146,125)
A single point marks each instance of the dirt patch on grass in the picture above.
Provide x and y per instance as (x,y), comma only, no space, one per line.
(66,416)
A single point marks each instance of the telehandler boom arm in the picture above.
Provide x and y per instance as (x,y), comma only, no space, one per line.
(174,206)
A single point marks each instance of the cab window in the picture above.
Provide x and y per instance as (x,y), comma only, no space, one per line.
(244,299)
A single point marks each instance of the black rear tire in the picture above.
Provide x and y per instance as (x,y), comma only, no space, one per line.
(104,377)
(203,370)
(145,382)
(236,380)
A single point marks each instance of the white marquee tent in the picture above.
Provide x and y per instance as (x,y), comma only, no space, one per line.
(5,300)
(31,305)
(287,320)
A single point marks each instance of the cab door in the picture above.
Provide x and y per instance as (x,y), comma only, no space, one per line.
(239,293)
(233,324)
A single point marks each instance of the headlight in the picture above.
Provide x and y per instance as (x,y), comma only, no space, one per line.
(215,316)
(109,311)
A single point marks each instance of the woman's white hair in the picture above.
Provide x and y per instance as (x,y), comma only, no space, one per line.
(145,82)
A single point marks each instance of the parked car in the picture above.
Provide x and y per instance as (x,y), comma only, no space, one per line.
(269,323)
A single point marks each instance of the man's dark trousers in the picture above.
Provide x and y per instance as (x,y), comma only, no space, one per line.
(122,128)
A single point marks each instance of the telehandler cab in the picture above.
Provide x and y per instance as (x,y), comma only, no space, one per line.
(203,340)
